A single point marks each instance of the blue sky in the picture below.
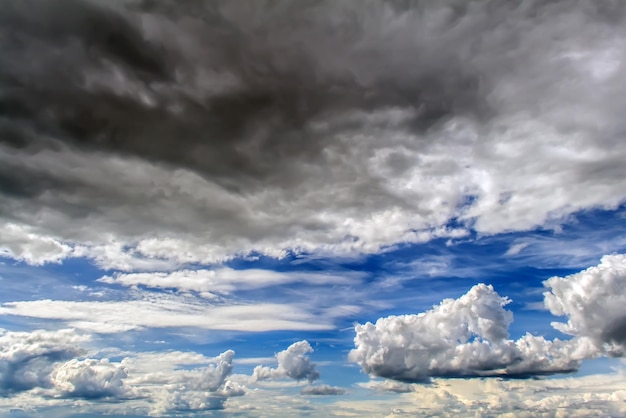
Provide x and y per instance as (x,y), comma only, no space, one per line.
(369,208)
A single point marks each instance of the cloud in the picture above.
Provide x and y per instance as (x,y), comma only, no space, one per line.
(594,302)
(464,337)
(28,358)
(584,396)
(516,248)
(45,368)
(226,280)
(149,362)
(328,131)
(169,311)
(292,362)
(322,390)
(91,379)
(21,244)
(389,386)
(178,390)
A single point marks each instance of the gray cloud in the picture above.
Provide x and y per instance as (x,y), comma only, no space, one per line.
(293,362)
(28,358)
(196,132)
(594,302)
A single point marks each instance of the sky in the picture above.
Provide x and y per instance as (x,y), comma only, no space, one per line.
(312,208)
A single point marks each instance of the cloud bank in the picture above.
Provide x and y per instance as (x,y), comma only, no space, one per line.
(195,133)
(322,390)
(50,364)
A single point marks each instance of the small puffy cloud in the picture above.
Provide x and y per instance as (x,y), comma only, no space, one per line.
(91,379)
(462,337)
(322,390)
(28,358)
(594,302)
(292,362)
(210,378)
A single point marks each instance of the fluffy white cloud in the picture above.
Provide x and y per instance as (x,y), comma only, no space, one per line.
(28,358)
(292,362)
(18,242)
(467,336)
(594,302)
(226,280)
(91,379)
(191,369)
(163,311)
(322,390)
(155,361)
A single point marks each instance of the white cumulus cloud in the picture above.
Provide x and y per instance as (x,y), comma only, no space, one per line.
(162,311)
(91,379)
(293,362)
(594,302)
(28,358)
(462,337)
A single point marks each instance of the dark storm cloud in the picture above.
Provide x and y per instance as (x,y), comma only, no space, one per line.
(268,126)
(593,302)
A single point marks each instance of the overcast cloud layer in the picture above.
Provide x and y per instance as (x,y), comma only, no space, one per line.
(196,132)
